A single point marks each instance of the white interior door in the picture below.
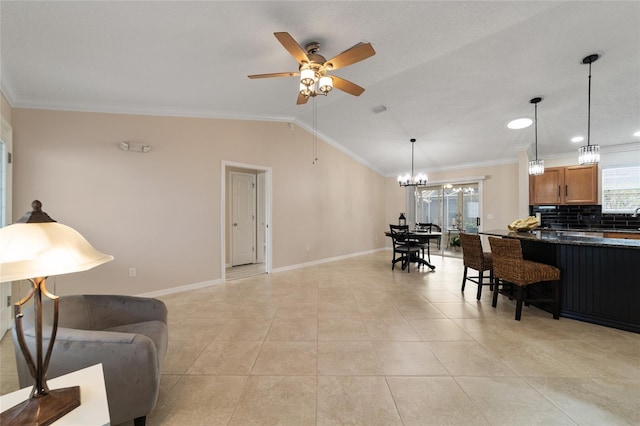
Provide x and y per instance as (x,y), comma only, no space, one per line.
(243,218)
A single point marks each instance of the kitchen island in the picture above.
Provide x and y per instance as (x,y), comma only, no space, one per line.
(600,281)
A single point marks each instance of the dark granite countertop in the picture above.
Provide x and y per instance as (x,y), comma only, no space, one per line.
(565,236)
(600,230)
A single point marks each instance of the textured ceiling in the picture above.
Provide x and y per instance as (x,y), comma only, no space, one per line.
(451,74)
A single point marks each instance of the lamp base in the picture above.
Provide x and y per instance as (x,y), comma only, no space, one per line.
(44,410)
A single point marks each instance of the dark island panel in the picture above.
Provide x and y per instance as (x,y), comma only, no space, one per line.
(599,281)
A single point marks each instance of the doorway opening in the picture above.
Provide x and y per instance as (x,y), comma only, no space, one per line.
(246,214)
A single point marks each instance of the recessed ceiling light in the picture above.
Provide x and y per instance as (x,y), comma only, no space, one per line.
(637,133)
(577,139)
(519,123)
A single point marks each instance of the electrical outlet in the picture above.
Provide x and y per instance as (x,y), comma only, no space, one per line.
(132,272)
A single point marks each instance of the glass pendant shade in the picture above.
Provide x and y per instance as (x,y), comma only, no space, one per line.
(589,154)
(536,167)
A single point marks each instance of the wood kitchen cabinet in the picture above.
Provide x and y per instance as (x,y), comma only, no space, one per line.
(624,235)
(565,185)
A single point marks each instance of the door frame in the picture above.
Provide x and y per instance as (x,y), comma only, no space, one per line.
(6,218)
(223,209)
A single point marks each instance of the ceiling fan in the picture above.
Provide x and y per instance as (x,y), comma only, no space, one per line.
(313,67)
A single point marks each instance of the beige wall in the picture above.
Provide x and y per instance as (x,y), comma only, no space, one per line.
(396,203)
(160,211)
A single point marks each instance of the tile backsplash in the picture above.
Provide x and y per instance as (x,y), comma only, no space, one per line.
(583,217)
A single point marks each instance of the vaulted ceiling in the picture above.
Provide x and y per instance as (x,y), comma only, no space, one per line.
(450,74)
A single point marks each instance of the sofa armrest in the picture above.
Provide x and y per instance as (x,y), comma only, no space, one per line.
(107,311)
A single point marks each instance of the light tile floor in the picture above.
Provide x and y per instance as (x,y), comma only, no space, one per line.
(352,342)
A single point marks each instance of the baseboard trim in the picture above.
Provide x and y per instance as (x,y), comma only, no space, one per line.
(326,260)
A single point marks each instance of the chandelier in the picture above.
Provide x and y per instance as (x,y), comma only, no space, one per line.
(411,179)
(589,154)
(536,167)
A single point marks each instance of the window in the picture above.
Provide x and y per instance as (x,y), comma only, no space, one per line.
(620,189)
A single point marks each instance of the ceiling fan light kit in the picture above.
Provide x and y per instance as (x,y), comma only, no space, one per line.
(313,68)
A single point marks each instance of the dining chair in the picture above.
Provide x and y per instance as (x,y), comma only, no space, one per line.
(403,246)
(475,258)
(422,244)
(513,270)
(431,227)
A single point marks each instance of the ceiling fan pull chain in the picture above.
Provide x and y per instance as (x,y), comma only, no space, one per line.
(315,132)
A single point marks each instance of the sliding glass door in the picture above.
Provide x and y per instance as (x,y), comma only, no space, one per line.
(454,207)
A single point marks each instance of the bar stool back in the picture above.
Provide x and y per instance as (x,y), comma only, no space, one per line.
(473,257)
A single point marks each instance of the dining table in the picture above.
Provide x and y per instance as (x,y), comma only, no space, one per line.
(421,237)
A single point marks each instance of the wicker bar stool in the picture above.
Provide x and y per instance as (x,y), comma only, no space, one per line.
(510,267)
(473,257)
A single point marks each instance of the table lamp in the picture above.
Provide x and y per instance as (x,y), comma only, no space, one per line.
(34,248)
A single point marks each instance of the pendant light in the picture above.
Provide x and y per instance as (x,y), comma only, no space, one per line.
(589,154)
(536,167)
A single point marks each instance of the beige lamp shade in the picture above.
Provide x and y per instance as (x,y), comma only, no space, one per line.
(30,250)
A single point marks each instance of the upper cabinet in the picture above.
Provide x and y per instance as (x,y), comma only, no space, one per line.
(565,185)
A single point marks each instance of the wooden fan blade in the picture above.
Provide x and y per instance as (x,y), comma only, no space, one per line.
(275,74)
(302,99)
(357,53)
(292,47)
(347,86)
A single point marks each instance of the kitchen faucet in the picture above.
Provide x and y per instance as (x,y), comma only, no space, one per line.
(635,213)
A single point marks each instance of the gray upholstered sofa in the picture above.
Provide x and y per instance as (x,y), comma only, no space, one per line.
(128,335)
